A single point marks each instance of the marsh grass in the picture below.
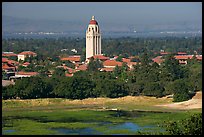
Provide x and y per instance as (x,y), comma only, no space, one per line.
(39,116)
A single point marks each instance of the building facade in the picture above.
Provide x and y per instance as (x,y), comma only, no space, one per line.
(93,39)
(25,54)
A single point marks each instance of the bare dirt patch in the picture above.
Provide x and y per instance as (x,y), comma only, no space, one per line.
(195,102)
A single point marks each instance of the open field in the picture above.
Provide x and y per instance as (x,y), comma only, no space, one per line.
(124,103)
(97,115)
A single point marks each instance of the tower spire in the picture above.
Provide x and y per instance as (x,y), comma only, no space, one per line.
(92,18)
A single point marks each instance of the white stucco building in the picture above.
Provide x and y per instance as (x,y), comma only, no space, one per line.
(23,55)
(93,39)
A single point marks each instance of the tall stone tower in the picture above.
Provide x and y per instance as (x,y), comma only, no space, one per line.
(93,39)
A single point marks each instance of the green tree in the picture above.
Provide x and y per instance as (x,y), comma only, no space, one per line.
(135,89)
(180,89)
(94,65)
(76,87)
(189,126)
(153,89)
(172,67)
(120,57)
(59,72)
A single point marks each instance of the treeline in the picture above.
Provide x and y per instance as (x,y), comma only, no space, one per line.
(148,79)
(125,46)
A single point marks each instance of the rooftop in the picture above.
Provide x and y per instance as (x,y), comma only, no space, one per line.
(112,63)
(27,53)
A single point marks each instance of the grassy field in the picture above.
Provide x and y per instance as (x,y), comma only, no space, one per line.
(38,116)
(124,103)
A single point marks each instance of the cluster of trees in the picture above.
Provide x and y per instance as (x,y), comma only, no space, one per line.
(81,85)
(136,46)
(147,78)
(125,46)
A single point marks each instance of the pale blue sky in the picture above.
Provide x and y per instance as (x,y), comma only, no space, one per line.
(108,12)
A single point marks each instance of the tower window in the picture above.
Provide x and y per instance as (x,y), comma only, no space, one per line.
(96,29)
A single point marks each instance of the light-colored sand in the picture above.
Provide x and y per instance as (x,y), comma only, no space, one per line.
(195,102)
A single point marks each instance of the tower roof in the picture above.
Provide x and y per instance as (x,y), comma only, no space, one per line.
(93,21)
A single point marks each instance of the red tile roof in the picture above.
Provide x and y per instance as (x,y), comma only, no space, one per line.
(5,60)
(12,62)
(9,54)
(131,63)
(125,60)
(26,63)
(27,73)
(112,63)
(94,22)
(82,67)
(100,57)
(184,57)
(158,59)
(199,57)
(7,66)
(27,53)
(72,58)
(181,53)
(107,69)
(68,75)
(164,53)
(115,57)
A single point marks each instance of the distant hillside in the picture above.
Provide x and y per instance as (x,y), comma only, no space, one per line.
(12,24)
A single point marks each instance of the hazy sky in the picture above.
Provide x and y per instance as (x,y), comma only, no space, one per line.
(107,12)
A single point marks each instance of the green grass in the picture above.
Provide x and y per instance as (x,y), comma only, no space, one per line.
(37,117)
(40,122)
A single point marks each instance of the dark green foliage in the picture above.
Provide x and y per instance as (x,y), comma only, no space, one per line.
(68,64)
(135,60)
(172,67)
(13,58)
(120,57)
(147,78)
(4,75)
(135,89)
(126,46)
(94,65)
(75,88)
(153,89)
(145,60)
(8,92)
(111,88)
(59,72)
(195,74)
(27,88)
(190,126)
(180,89)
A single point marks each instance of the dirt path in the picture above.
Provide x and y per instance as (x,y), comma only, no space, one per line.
(195,102)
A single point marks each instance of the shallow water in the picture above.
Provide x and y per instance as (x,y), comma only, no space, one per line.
(83,131)
(90,131)
(129,126)
(116,127)
(8,131)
